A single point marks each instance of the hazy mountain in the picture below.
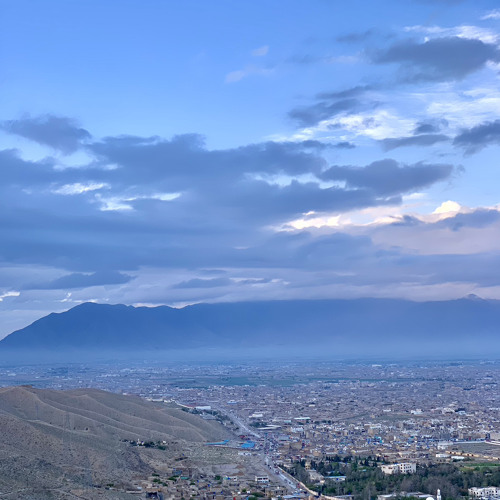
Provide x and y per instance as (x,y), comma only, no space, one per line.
(56,441)
(330,327)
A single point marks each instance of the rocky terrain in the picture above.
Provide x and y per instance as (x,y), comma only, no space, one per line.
(67,444)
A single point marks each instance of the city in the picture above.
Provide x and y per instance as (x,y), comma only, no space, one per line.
(305,428)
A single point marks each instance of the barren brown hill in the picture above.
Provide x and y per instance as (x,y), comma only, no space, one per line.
(53,442)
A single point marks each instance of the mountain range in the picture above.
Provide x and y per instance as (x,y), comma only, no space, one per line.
(332,328)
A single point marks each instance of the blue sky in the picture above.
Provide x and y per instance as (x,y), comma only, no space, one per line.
(162,152)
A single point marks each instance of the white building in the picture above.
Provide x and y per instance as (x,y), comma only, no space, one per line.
(262,479)
(486,493)
(401,468)
(316,477)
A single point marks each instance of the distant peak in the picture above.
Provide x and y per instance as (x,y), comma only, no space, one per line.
(96,304)
(88,304)
(473,296)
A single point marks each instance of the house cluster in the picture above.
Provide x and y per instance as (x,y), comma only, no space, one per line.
(172,487)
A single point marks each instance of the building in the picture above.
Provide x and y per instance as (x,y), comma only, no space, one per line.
(315,476)
(413,494)
(261,479)
(400,468)
(486,493)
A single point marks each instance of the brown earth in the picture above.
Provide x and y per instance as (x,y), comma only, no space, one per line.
(53,443)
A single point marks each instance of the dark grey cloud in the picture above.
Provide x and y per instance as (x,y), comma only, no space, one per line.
(349,93)
(227,201)
(408,221)
(307,116)
(15,171)
(60,133)
(415,140)
(479,218)
(388,177)
(438,59)
(479,136)
(80,280)
(344,145)
(426,128)
(431,127)
(329,104)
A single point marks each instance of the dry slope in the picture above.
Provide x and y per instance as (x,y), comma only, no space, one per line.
(52,441)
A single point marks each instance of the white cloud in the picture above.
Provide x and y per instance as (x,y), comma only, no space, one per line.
(465,109)
(236,76)
(465,31)
(492,14)
(261,51)
(123,203)
(378,125)
(79,188)
(315,222)
(9,294)
(414,205)
(448,207)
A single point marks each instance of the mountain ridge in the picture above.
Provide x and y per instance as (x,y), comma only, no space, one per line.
(345,323)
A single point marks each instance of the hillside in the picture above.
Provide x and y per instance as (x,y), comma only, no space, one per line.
(345,327)
(53,441)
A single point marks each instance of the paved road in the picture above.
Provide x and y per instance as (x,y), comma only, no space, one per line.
(239,422)
(290,485)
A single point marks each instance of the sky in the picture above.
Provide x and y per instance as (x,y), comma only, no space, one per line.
(175,152)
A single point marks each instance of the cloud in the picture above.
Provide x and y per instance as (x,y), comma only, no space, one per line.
(492,14)
(310,115)
(478,137)
(261,51)
(470,32)
(250,70)
(330,104)
(344,145)
(79,188)
(163,200)
(426,128)
(23,172)
(471,233)
(388,177)
(416,140)
(378,125)
(479,218)
(356,37)
(9,294)
(203,283)
(80,280)
(60,133)
(438,59)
